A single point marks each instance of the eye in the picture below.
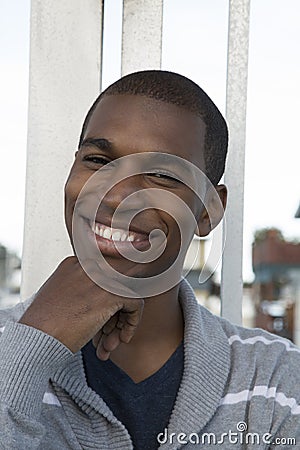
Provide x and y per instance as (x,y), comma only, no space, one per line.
(95,159)
(164,176)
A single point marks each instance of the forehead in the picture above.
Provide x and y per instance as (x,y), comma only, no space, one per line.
(135,123)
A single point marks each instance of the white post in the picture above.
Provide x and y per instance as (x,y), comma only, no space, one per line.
(236,102)
(141,35)
(65,57)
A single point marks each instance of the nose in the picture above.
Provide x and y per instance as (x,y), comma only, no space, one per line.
(117,196)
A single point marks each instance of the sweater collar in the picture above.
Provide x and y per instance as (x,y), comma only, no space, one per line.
(206,368)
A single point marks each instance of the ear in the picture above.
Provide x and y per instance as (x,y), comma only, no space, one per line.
(213,209)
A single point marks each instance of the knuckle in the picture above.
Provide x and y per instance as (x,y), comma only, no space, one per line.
(69,260)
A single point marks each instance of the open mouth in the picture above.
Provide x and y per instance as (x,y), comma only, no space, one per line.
(109,240)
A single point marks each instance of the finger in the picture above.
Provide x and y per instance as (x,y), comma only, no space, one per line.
(96,338)
(112,341)
(119,328)
(110,325)
(107,344)
(107,329)
(101,353)
(129,322)
(127,333)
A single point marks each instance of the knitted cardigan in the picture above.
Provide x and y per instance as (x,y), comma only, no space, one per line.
(240,389)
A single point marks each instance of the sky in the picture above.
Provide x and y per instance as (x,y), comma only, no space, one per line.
(194,44)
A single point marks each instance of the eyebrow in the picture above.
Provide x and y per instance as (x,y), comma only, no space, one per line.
(100,143)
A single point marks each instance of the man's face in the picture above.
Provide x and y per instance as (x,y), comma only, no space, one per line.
(124,125)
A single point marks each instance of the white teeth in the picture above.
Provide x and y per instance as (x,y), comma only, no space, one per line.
(116,236)
(107,233)
(110,233)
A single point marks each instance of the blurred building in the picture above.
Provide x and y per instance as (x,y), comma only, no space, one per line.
(208,292)
(276,290)
(3,269)
(10,277)
(194,265)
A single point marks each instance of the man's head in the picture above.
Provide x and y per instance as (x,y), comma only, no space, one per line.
(144,114)
(178,90)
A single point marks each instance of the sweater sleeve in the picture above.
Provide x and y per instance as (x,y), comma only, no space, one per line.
(28,358)
(286,421)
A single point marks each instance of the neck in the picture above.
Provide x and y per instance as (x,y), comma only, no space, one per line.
(157,337)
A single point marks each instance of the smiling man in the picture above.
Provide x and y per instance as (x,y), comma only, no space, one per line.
(113,351)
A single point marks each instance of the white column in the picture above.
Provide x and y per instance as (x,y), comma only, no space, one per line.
(141,35)
(65,57)
(236,102)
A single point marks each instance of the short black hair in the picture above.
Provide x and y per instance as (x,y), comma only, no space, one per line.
(173,88)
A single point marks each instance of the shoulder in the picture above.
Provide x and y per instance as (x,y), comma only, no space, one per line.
(247,345)
(264,370)
(266,347)
(256,357)
(263,378)
(263,366)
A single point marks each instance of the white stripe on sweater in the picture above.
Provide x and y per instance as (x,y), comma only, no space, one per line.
(255,339)
(2,329)
(51,399)
(261,391)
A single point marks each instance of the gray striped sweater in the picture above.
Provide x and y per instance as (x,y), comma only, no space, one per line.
(240,390)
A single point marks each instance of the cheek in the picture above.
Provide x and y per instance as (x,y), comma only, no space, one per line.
(186,213)
(71,191)
(73,187)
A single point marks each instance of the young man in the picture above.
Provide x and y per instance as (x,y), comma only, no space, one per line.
(113,352)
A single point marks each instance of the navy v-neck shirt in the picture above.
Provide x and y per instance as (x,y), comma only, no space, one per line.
(144,408)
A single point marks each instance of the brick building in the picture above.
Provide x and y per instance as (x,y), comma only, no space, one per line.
(276,264)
